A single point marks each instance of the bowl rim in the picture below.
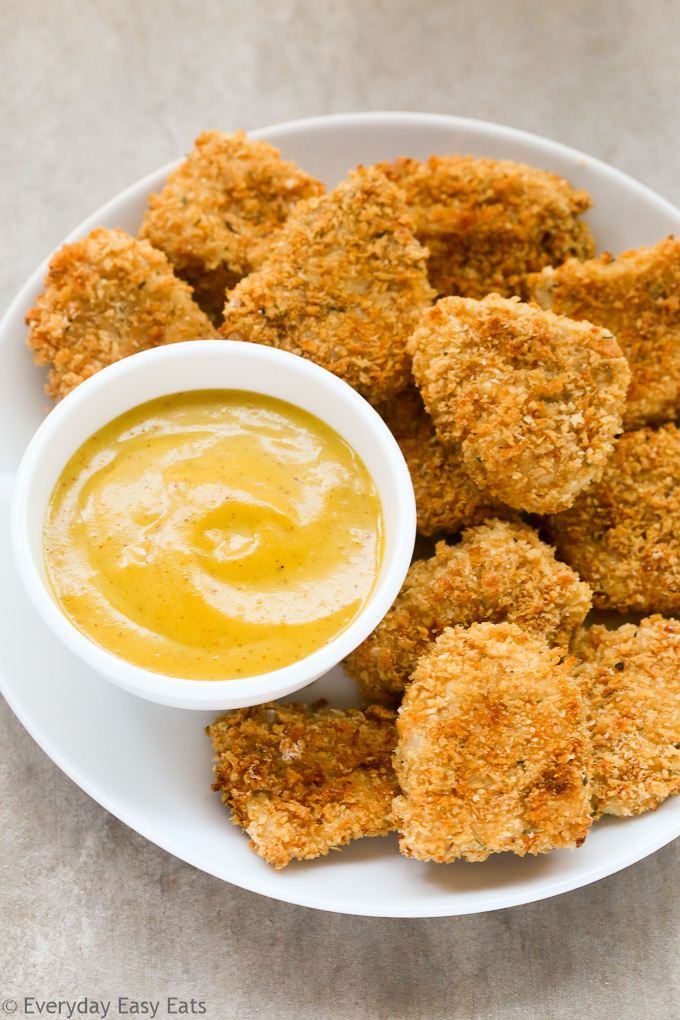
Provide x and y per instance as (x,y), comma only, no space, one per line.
(211,694)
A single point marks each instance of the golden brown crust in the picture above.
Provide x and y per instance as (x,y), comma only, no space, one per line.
(344,286)
(302,781)
(499,571)
(637,297)
(446,497)
(623,534)
(217,214)
(486,222)
(630,678)
(492,751)
(108,296)
(534,400)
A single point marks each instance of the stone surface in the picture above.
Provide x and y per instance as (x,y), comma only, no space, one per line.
(95,95)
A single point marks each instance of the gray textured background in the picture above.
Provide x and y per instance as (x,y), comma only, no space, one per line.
(96,93)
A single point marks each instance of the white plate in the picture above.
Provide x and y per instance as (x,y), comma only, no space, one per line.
(150,765)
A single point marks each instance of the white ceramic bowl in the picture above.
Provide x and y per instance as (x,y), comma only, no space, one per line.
(209,364)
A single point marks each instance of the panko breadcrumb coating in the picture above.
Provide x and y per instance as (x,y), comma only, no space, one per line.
(492,752)
(108,296)
(623,534)
(533,399)
(344,285)
(446,497)
(499,571)
(302,781)
(486,222)
(637,297)
(219,210)
(630,678)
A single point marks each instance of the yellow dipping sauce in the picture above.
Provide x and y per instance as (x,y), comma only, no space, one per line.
(213,534)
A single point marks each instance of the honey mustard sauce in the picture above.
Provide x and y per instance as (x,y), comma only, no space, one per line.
(213,534)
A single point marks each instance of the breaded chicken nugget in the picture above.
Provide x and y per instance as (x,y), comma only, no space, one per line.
(630,678)
(637,297)
(344,286)
(492,752)
(623,534)
(533,399)
(218,211)
(487,222)
(446,497)
(108,296)
(302,781)
(499,571)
